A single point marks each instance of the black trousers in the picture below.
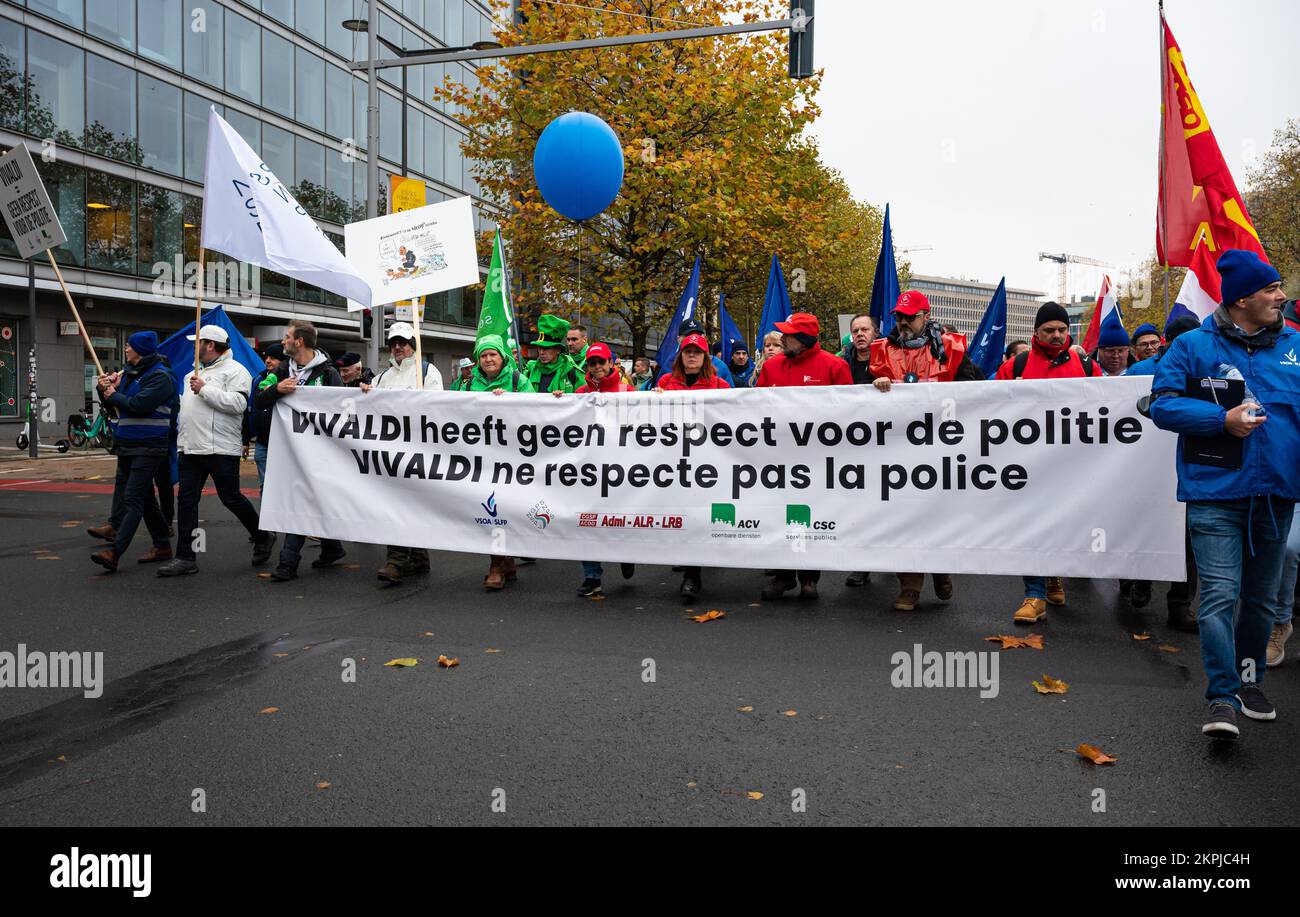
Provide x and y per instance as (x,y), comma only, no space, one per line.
(224,470)
(166,488)
(135,482)
(804,576)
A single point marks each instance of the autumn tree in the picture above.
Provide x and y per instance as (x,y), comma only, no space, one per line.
(716,163)
(1273,202)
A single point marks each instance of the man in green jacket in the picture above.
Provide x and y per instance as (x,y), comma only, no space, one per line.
(553,370)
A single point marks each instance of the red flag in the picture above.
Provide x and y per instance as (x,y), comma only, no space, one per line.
(1106,304)
(1199,213)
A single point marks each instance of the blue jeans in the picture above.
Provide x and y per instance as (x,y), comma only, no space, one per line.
(1290,565)
(259,459)
(1239,546)
(1035,587)
(591,569)
(135,480)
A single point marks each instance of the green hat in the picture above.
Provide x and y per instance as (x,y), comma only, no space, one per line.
(551,330)
(490,342)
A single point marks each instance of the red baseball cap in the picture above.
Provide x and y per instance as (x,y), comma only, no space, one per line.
(693,340)
(911,302)
(800,323)
(600,350)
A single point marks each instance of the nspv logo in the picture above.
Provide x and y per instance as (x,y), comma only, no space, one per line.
(540,515)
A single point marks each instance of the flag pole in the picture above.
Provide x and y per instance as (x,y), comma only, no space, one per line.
(198,307)
(1164,183)
(419,352)
(85,336)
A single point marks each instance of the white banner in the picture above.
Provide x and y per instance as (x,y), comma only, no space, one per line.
(1046,477)
(25,204)
(415,252)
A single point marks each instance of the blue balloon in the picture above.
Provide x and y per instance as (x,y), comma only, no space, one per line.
(578,164)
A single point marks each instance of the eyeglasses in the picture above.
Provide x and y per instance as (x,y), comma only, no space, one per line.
(596,362)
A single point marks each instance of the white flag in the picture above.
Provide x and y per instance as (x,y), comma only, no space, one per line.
(248,214)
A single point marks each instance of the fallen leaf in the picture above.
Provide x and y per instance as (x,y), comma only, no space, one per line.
(595,598)
(351,566)
(491,649)
(753,794)
(1094,755)
(404,662)
(1141,636)
(63,758)
(755,605)
(427,633)
(263,576)
(711,615)
(323,785)
(269,710)
(1009,642)
(1166,648)
(448,661)
(71,524)
(93,477)
(48,557)
(1050,685)
(279,655)
(746,709)
(41,551)
(790,713)
(692,785)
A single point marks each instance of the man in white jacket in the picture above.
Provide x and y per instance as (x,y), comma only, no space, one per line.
(404,372)
(209,437)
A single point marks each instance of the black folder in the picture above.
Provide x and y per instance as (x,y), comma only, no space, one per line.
(1224,450)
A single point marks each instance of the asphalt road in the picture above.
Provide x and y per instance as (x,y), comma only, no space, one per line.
(550,713)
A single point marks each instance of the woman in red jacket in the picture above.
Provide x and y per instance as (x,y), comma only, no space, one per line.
(692,371)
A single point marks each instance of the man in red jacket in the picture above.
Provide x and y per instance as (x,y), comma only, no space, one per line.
(801,362)
(1050,356)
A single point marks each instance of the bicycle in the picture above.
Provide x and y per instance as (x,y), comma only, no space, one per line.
(21,441)
(98,432)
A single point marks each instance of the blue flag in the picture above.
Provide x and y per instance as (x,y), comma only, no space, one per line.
(728,334)
(990,339)
(685,310)
(179,351)
(884,288)
(776,306)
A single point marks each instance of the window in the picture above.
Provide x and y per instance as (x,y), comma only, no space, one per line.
(55,101)
(452,158)
(309,93)
(243,58)
(390,127)
(433,13)
(160,31)
(277,74)
(309,187)
(309,19)
(66,11)
(337,38)
(203,41)
(110,110)
(453,23)
(470,33)
(196,134)
(433,74)
(161,238)
(281,10)
(359,190)
(413,10)
(247,127)
(13,64)
(160,125)
(414,75)
(338,102)
(110,222)
(338,184)
(277,152)
(360,114)
(389,29)
(191,216)
(66,186)
(433,152)
(414,141)
(113,21)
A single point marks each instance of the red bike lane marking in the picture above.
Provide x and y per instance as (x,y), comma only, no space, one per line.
(86,487)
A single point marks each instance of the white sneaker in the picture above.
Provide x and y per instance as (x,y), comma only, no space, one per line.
(1277,643)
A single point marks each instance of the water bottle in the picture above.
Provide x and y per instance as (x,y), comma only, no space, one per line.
(1253,408)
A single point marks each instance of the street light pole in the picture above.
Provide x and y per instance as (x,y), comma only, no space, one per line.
(372,161)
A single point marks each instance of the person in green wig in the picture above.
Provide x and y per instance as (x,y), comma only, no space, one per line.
(553,371)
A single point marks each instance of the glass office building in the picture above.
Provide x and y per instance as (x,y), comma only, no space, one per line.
(112,97)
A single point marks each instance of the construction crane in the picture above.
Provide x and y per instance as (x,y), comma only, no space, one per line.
(1062,261)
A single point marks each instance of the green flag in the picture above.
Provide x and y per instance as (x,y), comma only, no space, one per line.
(496,316)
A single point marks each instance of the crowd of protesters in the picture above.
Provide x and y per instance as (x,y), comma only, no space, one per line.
(1242,536)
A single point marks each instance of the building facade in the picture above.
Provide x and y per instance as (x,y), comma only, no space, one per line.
(963,302)
(112,97)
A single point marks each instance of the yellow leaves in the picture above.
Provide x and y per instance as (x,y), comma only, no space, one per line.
(1094,754)
(404,663)
(1168,648)
(70,524)
(1050,685)
(711,615)
(279,655)
(491,649)
(323,785)
(269,710)
(448,662)
(1140,636)
(1010,642)
(754,794)
(790,713)
(748,708)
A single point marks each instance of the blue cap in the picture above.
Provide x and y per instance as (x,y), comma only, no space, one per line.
(1145,328)
(1112,331)
(144,342)
(1242,273)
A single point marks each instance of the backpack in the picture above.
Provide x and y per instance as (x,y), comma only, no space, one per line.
(1022,360)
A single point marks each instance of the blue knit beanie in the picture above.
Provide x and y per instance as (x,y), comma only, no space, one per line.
(1145,328)
(1243,273)
(1112,335)
(144,342)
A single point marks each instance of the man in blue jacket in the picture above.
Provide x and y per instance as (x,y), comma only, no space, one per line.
(144,396)
(1238,518)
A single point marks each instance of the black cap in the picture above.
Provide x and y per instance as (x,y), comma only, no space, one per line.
(690,326)
(1051,312)
(275,351)
(1181,325)
(348,359)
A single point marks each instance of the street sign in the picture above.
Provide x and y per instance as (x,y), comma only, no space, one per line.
(26,206)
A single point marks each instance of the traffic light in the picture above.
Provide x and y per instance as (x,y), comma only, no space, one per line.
(801,39)
(365,324)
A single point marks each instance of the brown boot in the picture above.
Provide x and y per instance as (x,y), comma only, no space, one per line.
(106,558)
(909,591)
(496,578)
(105,531)
(777,587)
(942,586)
(508,569)
(155,555)
(389,573)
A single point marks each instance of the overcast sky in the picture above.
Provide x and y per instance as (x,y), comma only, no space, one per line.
(1003,128)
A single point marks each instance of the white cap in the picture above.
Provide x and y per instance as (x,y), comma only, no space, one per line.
(464,363)
(401,330)
(211,333)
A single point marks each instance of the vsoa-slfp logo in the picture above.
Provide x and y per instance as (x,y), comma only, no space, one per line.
(540,515)
(490,507)
(1290,359)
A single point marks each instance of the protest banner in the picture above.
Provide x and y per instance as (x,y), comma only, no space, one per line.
(1047,477)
